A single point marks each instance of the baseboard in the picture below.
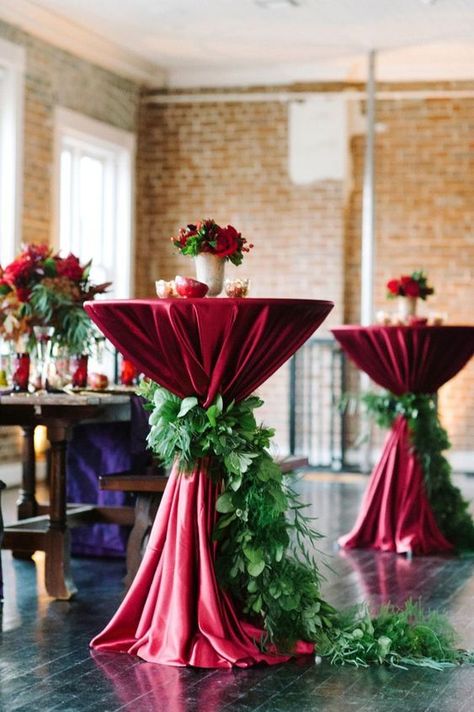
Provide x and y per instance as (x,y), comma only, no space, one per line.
(10,473)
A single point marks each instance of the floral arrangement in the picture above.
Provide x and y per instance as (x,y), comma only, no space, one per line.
(208,236)
(413,285)
(42,288)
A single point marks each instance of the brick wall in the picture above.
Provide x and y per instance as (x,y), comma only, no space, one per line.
(56,78)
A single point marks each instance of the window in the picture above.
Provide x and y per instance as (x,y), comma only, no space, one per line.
(94,197)
(12,63)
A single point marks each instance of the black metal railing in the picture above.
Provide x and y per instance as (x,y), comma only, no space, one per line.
(317,422)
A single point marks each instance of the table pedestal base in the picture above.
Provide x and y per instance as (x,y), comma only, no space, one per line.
(395,514)
(175,613)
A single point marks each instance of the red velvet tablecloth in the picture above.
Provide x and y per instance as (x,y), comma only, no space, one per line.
(174,612)
(395,514)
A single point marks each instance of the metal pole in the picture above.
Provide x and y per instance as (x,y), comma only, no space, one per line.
(368,204)
(368,243)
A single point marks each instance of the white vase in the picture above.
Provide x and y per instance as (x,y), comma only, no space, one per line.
(210,270)
(407,307)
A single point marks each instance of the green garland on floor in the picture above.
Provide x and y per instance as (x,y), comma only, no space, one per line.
(263,537)
(429,440)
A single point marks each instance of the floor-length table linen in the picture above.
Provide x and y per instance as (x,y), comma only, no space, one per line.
(175,612)
(395,514)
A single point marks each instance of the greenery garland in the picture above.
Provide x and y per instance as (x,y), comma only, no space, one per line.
(263,536)
(429,440)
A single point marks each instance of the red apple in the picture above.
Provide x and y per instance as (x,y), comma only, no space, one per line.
(189,287)
(98,381)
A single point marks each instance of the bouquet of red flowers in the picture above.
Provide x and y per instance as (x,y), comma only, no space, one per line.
(413,285)
(208,236)
(42,288)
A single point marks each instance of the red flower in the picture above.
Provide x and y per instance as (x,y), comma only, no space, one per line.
(410,288)
(23,294)
(69,267)
(19,272)
(393,286)
(228,241)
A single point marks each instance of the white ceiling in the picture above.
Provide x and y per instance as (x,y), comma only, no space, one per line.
(216,42)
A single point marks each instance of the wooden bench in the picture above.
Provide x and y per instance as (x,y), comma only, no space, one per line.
(149,489)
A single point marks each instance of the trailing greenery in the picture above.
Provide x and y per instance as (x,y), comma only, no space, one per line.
(263,536)
(394,637)
(429,440)
(261,557)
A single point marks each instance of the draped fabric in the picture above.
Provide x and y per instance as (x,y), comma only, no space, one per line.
(408,359)
(99,449)
(395,514)
(205,346)
(175,612)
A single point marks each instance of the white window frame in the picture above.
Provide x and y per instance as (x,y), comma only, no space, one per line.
(12,82)
(71,126)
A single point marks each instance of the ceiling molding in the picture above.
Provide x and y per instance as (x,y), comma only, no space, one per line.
(429,63)
(78,40)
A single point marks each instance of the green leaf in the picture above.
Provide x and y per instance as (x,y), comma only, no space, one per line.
(255,569)
(225,504)
(187,404)
(212,413)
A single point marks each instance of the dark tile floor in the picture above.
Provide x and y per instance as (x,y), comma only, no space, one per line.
(45,663)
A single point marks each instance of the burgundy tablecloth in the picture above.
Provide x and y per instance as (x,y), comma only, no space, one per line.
(174,612)
(395,514)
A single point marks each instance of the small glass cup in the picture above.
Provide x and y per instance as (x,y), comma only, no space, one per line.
(236,288)
(21,372)
(128,373)
(164,289)
(79,370)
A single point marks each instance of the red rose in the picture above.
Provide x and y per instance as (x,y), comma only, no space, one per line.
(19,272)
(228,241)
(69,267)
(393,286)
(23,294)
(410,287)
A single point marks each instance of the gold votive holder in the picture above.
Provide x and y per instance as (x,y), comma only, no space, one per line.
(236,288)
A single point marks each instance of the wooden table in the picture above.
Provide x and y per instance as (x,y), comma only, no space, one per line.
(46,527)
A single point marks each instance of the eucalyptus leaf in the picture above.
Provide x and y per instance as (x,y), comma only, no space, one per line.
(187,404)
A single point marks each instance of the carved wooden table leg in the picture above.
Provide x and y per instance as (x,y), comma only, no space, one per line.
(27,506)
(59,583)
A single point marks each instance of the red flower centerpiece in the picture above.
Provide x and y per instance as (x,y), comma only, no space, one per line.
(42,288)
(211,245)
(409,288)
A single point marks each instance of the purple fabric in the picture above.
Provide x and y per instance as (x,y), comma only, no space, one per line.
(103,449)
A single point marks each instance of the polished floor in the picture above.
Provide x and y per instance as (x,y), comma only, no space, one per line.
(45,663)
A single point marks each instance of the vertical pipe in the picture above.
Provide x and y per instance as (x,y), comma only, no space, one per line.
(368,203)
(368,238)
(292,406)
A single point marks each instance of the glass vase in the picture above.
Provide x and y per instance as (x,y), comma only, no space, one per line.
(43,336)
(210,271)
